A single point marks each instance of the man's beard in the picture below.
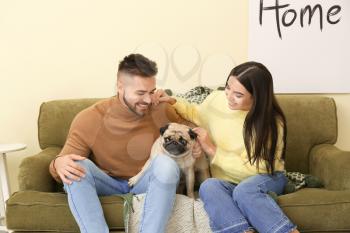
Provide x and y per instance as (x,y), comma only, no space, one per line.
(133,108)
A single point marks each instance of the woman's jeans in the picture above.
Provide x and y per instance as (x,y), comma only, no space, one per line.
(246,206)
(159,183)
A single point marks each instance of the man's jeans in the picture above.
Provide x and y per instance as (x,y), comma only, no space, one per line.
(246,206)
(159,183)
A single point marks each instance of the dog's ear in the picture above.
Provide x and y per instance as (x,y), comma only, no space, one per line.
(193,135)
(163,129)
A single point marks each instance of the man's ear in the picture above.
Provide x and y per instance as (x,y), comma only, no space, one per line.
(120,85)
(193,135)
(163,129)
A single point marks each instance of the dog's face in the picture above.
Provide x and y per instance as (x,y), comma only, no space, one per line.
(177,139)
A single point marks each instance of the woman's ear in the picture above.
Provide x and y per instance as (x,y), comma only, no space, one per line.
(163,129)
(193,135)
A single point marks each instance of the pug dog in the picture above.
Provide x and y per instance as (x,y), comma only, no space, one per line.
(177,141)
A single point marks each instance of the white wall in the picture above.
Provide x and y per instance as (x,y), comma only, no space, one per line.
(54,49)
(303,59)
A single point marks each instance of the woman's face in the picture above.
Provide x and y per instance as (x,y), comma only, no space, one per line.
(238,97)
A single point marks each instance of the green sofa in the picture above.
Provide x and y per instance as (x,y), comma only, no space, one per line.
(41,206)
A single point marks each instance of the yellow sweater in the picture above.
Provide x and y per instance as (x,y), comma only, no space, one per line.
(225,127)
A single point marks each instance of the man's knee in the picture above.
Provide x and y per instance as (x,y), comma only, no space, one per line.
(87,164)
(89,168)
(166,170)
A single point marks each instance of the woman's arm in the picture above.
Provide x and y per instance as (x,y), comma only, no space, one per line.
(205,142)
(185,109)
(188,111)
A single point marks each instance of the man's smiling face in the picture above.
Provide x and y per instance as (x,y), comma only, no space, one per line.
(136,92)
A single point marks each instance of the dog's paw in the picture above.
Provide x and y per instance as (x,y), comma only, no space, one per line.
(132,181)
(191,195)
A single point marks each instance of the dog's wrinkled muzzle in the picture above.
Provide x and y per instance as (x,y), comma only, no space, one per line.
(175,148)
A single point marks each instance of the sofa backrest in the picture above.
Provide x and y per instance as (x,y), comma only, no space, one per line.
(311,120)
(55,118)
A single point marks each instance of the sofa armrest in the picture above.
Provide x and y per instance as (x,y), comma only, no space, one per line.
(34,171)
(331,165)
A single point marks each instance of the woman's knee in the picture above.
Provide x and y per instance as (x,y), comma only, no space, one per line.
(165,170)
(245,191)
(209,187)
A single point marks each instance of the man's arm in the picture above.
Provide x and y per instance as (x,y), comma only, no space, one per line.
(77,147)
(63,168)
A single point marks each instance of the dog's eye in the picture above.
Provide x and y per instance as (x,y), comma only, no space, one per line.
(183,141)
(167,139)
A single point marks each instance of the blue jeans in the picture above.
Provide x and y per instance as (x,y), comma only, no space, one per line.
(159,183)
(247,206)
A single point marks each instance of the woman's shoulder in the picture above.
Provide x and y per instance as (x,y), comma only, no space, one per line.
(216,96)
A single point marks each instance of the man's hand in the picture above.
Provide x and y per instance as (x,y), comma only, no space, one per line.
(197,151)
(205,141)
(161,96)
(68,169)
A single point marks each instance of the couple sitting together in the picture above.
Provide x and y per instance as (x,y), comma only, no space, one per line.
(242,130)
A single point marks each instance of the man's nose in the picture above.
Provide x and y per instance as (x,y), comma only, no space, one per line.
(147,99)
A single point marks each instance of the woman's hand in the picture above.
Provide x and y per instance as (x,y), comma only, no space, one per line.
(197,151)
(161,96)
(204,140)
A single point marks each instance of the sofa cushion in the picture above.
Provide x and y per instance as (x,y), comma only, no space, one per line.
(318,210)
(41,211)
(313,210)
(188,215)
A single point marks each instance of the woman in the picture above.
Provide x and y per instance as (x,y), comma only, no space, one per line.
(243,131)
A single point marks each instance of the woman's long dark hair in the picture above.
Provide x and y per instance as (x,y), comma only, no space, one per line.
(260,130)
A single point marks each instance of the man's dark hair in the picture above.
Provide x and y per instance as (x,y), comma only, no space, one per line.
(137,64)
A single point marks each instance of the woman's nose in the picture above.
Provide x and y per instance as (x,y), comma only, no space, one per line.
(229,95)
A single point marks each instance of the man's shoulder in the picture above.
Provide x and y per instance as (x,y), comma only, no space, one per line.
(163,112)
(161,108)
(92,115)
(98,109)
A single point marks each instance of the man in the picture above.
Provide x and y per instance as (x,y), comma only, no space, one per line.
(109,142)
